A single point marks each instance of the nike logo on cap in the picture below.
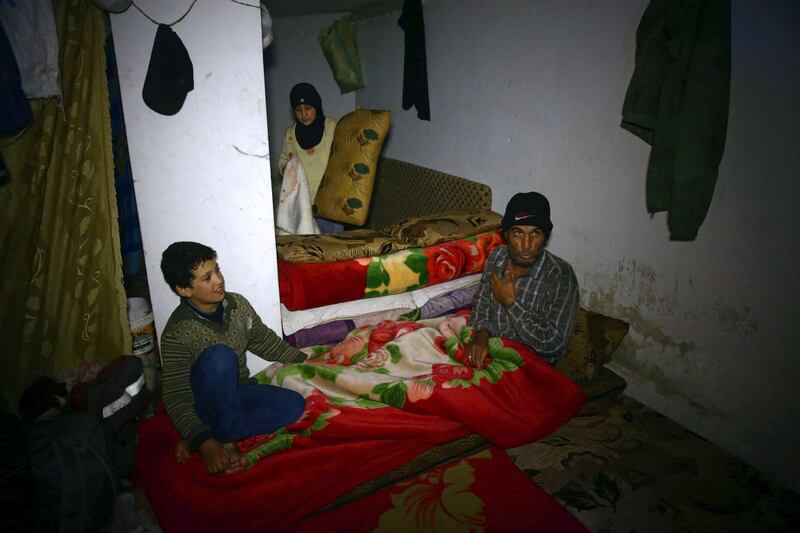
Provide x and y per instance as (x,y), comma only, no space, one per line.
(520,216)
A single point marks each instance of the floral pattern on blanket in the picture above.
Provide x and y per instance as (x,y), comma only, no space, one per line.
(411,269)
(393,363)
(315,417)
(397,364)
(416,232)
(310,285)
(442,500)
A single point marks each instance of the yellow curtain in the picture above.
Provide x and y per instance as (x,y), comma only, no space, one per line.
(61,295)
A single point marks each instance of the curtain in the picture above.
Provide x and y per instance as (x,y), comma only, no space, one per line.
(62,303)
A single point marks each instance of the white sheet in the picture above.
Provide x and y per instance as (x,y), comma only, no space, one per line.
(294,208)
(296,320)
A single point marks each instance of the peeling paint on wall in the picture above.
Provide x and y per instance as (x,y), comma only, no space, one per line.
(668,362)
(634,294)
(734,320)
(628,294)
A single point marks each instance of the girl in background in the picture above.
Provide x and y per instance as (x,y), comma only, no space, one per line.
(310,140)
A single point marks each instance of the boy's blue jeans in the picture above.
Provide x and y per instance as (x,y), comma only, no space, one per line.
(234,411)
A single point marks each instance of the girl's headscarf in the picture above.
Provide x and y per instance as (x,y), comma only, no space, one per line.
(308,136)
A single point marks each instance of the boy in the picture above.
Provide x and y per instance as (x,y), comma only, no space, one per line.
(207,389)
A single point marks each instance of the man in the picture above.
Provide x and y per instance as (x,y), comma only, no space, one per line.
(527,294)
(207,389)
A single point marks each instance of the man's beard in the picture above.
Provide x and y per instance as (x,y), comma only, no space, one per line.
(512,255)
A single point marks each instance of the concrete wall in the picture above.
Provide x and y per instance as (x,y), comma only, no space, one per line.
(527,95)
(203,174)
(295,56)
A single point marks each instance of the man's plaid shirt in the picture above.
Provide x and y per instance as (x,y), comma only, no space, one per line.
(543,313)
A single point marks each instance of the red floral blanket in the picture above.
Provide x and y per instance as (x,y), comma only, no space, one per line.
(482,492)
(310,285)
(376,401)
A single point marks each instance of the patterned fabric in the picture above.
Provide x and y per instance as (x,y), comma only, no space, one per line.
(186,335)
(62,300)
(346,189)
(482,491)
(414,366)
(411,233)
(342,442)
(593,341)
(407,301)
(620,466)
(367,373)
(332,247)
(543,313)
(311,285)
(336,330)
(433,229)
(404,190)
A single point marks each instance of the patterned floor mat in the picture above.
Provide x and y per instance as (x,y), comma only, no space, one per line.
(620,466)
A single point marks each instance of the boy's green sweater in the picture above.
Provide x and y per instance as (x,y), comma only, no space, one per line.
(185,337)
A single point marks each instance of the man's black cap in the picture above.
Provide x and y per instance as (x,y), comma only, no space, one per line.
(528,209)
(170,75)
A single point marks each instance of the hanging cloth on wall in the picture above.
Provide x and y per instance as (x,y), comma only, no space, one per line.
(15,110)
(338,43)
(31,30)
(170,74)
(58,221)
(415,66)
(677,102)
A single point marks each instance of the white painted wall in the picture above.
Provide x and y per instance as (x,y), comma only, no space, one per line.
(527,95)
(293,57)
(192,181)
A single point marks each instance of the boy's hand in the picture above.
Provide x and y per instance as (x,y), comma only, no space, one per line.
(215,457)
(182,452)
(318,357)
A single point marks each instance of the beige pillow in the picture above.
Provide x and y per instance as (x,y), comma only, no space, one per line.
(592,343)
(345,192)
(606,334)
(433,229)
(328,247)
(575,362)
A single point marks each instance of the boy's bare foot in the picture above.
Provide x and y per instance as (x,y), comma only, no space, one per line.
(219,458)
(237,462)
(233,452)
(182,453)
(237,467)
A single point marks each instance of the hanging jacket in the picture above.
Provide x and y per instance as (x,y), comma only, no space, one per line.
(678,102)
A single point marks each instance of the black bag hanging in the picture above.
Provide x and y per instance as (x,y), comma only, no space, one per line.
(170,74)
